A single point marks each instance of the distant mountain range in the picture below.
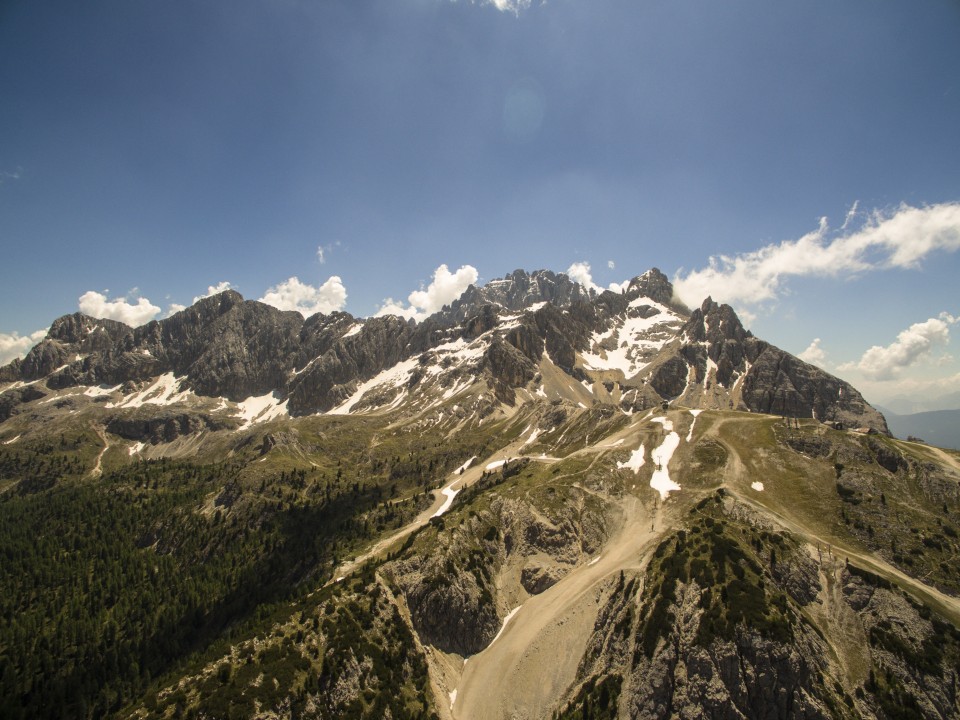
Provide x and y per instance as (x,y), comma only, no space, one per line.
(937,427)
(913,405)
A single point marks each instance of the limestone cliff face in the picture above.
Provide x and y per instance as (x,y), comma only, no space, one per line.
(69,337)
(330,377)
(164,426)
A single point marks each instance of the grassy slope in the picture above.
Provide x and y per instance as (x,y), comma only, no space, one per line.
(342,482)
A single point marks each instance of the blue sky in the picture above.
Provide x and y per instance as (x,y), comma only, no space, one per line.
(151,151)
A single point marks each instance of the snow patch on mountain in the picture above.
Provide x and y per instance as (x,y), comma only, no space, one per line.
(261,409)
(696,414)
(533,437)
(661,481)
(100,390)
(450,494)
(353,330)
(632,342)
(165,390)
(635,462)
(394,377)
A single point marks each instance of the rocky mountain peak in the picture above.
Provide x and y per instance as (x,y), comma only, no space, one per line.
(77,327)
(70,337)
(211,306)
(715,323)
(652,284)
(516,291)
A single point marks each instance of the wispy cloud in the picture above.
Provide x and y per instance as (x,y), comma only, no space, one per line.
(97,305)
(884,240)
(292,294)
(912,345)
(442,290)
(513,6)
(323,251)
(14,345)
(10,175)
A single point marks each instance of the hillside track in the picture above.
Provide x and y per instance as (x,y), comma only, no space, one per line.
(534,660)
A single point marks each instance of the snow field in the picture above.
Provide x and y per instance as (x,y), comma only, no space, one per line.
(261,409)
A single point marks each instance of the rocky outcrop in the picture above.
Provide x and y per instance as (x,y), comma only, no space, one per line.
(913,653)
(781,384)
(711,627)
(12,399)
(69,339)
(165,426)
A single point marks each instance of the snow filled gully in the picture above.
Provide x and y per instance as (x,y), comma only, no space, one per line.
(661,456)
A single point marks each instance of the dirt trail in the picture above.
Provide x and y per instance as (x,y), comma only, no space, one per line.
(947,605)
(535,658)
(946,457)
(97,470)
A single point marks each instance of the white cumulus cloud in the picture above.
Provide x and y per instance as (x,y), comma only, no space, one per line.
(814,354)
(445,287)
(292,294)
(13,345)
(213,290)
(885,240)
(97,305)
(582,273)
(912,345)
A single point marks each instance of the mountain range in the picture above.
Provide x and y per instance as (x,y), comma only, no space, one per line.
(937,427)
(541,501)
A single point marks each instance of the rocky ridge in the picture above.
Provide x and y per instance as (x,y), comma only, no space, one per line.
(637,348)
